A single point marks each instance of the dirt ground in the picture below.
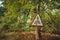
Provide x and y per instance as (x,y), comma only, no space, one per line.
(28,36)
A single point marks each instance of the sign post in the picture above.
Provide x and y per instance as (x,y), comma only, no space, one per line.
(37,33)
(37,22)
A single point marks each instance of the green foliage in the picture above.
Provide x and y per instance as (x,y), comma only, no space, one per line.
(2,10)
(20,12)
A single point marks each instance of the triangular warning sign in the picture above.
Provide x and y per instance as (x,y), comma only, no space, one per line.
(37,21)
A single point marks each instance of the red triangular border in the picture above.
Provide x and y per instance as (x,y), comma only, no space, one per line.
(33,20)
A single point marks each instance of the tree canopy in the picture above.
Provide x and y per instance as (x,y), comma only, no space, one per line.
(19,14)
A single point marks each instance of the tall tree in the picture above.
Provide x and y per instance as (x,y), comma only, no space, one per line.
(20,12)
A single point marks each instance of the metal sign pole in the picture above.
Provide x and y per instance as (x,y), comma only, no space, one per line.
(37,33)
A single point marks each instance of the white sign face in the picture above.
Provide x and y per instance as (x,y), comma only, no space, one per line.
(37,21)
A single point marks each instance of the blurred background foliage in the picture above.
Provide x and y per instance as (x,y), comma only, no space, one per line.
(17,15)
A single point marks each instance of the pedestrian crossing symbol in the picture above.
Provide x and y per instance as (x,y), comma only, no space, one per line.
(37,21)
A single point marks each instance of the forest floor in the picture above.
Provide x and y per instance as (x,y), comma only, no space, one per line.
(28,36)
